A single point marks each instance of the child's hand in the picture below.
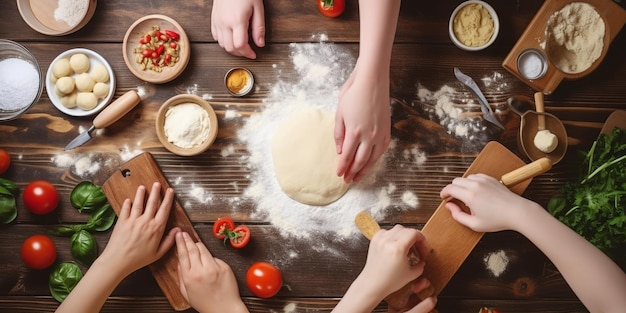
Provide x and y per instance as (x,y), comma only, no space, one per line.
(137,238)
(493,206)
(230,21)
(207,283)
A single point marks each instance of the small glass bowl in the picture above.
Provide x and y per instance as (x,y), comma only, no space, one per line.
(9,50)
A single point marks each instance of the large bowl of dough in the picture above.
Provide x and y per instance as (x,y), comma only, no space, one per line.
(186,125)
(80,82)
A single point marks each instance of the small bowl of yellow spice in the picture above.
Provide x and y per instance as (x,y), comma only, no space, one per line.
(239,81)
(474,25)
(186,125)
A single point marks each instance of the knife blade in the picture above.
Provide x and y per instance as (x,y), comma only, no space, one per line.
(484,104)
(108,116)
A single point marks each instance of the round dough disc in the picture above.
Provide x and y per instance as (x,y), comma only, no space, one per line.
(305,159)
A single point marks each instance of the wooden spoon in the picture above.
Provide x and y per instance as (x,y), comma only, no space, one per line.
(544,139)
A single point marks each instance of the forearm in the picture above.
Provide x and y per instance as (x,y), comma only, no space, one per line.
(597,281)
(358,299)
(378,21)
(92,290)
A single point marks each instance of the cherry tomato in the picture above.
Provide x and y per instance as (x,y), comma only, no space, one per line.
(221,225)
(488,310)
(331,8)
(264,280)
(40,197)
(38,252)
(5,161)
(240,237)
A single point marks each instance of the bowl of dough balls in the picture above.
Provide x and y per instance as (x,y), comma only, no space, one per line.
(186,125)
(80,82)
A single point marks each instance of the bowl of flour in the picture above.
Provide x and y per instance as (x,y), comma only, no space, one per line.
(21,80)
(186,125)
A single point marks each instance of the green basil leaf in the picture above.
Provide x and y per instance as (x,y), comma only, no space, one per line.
(67,230)
(10,186)
(101,219)
(63,279)
(8,207)
(83,247)
(86,196)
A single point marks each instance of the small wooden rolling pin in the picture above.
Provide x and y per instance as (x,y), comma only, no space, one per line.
(400,300)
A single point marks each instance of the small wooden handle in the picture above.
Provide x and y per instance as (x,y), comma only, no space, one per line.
(527,171)
(366,224)
(539,107)
(117,109)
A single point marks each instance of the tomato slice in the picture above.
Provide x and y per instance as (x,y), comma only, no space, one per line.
(331,8)
(240,237)
(221,227)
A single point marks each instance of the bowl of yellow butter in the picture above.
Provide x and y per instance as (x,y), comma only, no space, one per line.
(473,25)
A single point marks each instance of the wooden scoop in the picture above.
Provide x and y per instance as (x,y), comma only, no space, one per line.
(452,242)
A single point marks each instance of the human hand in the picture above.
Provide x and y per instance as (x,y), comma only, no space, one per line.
(424,306)
(207,283)
(229,25)
(493,206)
(137,238)
(388,268)
(362,124)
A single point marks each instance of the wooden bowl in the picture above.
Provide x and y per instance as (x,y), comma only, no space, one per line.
(186,121)
(137,31)
(40,16)
(94,59)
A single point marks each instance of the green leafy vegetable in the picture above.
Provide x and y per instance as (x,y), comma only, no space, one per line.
(9,191)
(87,196)
(595,205)
(101,219)
(63,279)
(84,247)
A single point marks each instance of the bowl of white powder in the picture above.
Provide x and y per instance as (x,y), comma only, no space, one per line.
(186,125)
(21,80)
(56,17)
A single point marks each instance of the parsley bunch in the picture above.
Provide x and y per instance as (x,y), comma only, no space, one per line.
(595,205)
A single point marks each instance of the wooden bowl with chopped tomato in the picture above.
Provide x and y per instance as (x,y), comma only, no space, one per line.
(156,49)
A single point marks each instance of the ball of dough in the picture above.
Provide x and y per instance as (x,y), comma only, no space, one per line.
(100,74)
(64,85)
(101,90)
(61,68)
(84,82)
(86,100)
(546,141)
(305,159)
(79,63)
(69,101)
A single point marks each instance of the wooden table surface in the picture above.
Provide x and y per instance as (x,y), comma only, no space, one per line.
(423,58)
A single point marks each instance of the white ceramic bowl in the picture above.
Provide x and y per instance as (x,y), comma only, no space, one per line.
(94,59)
(494,17)
(8,50)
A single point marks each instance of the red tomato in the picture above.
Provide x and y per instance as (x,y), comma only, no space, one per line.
(38,252)
(221,226)
(40,197)
(240,237)
(5,161)
(331,8)
(264,279)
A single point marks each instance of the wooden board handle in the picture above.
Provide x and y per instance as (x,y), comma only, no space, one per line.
(527,171)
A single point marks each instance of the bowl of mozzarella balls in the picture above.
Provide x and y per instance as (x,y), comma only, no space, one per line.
(80,82)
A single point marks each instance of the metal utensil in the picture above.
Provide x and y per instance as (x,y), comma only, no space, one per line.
(484,105)
(108,116)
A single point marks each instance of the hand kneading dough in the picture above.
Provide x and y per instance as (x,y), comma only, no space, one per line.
(305,159)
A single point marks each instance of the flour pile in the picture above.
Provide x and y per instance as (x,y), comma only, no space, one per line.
(322,68)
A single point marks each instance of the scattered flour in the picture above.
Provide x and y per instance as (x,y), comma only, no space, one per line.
(228,151)
(496,262)
(410,199)
(199,194)
(231,114)
(322,68)
(71,12)
(290,307)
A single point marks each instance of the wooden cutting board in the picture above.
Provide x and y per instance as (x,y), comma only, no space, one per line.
(143,170)
(535,35)
(450,241)
(616,119)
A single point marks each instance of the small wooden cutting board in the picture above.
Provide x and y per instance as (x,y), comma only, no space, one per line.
(143,170)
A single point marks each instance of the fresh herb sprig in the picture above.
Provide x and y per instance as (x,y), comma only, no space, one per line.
(595,204)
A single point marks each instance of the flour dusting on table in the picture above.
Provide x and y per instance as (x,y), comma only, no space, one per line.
(322,69)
